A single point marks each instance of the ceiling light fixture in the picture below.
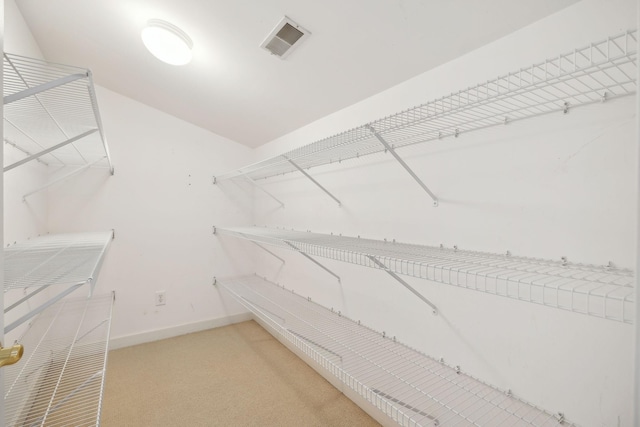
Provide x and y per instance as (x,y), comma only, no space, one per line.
(167,42)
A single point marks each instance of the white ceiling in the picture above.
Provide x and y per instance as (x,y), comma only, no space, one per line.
(237,90)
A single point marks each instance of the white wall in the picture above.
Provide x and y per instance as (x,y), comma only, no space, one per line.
(559,185)
(162,205)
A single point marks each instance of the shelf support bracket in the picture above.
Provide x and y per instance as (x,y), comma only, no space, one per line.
(268,251)
(62,178)
(402,282)
(259,187)
(403,164)
(96,113)
(314,181)
(40,308)
(48,150)
(42,88)
(294,247)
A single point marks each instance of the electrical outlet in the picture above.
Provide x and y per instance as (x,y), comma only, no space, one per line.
(161,297)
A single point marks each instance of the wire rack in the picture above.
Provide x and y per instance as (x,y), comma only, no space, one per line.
(595,73)
(69,260)
(408,386)
(60,379)
(51,113)
(599,291)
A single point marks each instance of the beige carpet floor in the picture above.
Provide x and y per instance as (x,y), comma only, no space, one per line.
(238,375)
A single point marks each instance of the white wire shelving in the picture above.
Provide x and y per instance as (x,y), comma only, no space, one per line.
(411,388)
(66,261)
(601,291)
(60,379)
(51,114)
(596,73)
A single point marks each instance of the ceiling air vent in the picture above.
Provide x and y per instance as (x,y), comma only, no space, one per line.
(286,36)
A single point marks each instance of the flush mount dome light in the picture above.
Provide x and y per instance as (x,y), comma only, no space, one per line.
(167,42)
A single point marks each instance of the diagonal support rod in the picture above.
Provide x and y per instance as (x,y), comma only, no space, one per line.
(313,180)
(42,88)
(62,178)
(48,150)
(403,283)
(40,308)
(268,251)
(259,187)
(314,261)
(96,113)
(404,165)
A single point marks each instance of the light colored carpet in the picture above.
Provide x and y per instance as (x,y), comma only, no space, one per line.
(238,375)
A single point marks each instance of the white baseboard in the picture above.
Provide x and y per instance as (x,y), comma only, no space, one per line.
(160,334)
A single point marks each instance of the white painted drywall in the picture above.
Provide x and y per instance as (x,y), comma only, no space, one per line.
(559,185)
(162,205)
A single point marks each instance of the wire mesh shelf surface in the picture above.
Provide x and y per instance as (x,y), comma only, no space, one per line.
(600,291)
(70,261)
(595,73)
(408,386)
(54,259)
(51,110)
(60,379)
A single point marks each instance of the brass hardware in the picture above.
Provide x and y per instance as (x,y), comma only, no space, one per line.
(10,355)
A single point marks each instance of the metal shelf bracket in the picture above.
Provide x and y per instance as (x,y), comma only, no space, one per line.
(62,178)
(406,167)
(49,150)
(314,181)
(269,252)
(42,88)
(294,247)
(403,283)
(259,187)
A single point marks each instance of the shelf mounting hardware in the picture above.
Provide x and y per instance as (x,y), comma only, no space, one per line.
(403,164)
(48,150)
(403,283)
(268,251)
(259,187)
(63,178)
(295,165)
(294,247)
(41,308)
(96,113)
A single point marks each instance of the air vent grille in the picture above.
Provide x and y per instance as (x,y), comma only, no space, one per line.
(284,37)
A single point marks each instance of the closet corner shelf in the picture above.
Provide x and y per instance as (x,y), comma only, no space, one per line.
(60,379)
(409,387)
(596,73)
(67,261)
(599,291)
(51,114)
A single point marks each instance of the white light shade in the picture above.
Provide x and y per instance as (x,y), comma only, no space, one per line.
(167,42)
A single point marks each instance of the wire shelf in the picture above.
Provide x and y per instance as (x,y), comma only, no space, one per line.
(60,379)
(69,260)
(408,386)
(599,291)
(595,73)
(51,113)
